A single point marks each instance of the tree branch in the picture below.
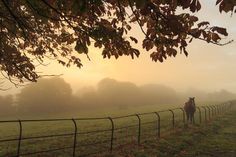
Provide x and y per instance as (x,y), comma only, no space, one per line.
(20,24)
(136,16)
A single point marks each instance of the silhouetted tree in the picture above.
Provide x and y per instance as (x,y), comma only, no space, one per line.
(35,30)
(222,95)
(159,94)
(47,96)
(120,94)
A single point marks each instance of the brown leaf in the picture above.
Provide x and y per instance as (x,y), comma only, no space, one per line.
(81,47)
(193,18)
(134,19)
(134,40)
(183,43)
(218,1)
(193,6)
(203,23)
(198,6)
(204,33)
(215,37)
(185,52)
(185,3)
(190,40)
(220,30)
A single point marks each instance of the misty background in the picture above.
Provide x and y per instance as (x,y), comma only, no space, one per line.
(54,96)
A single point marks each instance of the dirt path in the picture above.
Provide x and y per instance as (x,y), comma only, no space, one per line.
(217,139)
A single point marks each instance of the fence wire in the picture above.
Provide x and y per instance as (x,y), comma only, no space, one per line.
(88,136)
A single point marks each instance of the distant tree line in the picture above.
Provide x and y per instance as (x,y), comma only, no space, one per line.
(52,96)
(6,105)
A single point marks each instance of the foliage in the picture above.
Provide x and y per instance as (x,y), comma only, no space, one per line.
(47,96)
(54,95)
(34,30)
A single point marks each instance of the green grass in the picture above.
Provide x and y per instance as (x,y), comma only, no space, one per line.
(148,131)
(11,130)
(217,139)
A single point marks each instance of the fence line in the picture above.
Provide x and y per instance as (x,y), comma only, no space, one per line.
(113,130)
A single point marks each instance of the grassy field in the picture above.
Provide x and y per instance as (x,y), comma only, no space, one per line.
(93,135)
(217,139)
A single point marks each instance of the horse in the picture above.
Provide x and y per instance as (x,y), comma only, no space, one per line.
(190,109)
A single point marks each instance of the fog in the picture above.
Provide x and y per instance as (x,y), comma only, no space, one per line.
(54,96)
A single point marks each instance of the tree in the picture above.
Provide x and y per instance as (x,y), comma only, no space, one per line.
(120,94)
(47,96)
(32,30)
(153,94)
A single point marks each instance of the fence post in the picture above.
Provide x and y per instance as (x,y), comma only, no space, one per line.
(205,113)
(200,115)
(75,136)
(221,108)
(224,108)
(19,139)
(215,112)
(158,125)
(215,109)
(173,118)
(209,111)
(218,111)
(183,115)
(139,128)
(212,111)
(112,133)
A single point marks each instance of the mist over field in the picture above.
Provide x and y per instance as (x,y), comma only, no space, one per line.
(53,96)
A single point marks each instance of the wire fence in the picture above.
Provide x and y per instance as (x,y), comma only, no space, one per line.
(88,136)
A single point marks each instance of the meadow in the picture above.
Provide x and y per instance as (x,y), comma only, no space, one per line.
(93,135)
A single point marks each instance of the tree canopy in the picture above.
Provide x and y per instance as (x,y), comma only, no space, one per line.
(47,96)
(34,30)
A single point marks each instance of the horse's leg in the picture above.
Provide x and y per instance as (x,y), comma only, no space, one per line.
(192,117)
(187,116)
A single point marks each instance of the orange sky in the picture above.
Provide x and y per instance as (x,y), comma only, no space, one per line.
(209,67)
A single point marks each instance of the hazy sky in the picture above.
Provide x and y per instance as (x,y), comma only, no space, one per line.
(208,67)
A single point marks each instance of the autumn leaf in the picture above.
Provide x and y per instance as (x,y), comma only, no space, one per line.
(215,37)
(81,47)
(38,29)
(134,39)
(220,30)
(185,52)
(198,5)
(218,1)
(226,5)
(203,23)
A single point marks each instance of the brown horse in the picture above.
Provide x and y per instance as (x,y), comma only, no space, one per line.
(190,109)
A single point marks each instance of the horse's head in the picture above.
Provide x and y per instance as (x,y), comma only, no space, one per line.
(191,100)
